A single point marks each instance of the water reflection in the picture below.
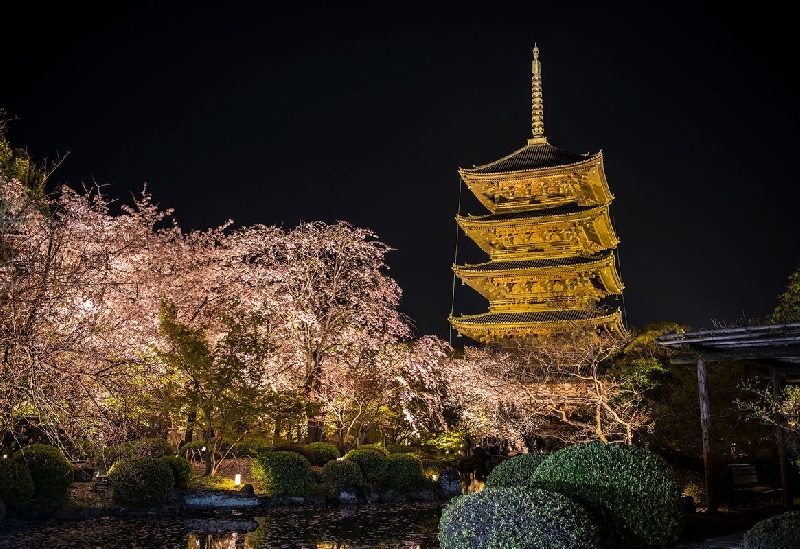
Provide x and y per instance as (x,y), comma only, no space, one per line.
(406,526)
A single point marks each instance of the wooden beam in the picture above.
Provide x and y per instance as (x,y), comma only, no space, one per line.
(780,437)
(705,425)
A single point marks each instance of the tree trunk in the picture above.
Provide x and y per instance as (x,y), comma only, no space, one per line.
(276,434)
(191,420)
(208,452)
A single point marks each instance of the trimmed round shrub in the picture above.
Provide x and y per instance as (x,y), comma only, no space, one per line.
(153,447)
(374,466)
(283,473)
(402,449)
(405,473)
(16,484)
(516,471)
(193,451)
(778,532)
(631,493)
(342,475)
(141,482)
(323,452)
(296,448)
(249,447)
(146,447)
(518,518)
(51,472)
(181,470)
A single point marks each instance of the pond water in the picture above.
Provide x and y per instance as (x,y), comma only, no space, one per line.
(407,526)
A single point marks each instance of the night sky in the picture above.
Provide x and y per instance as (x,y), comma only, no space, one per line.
(364,113)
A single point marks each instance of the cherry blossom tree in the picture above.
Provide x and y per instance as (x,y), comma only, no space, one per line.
(555,386)
(342,308)
(71,295)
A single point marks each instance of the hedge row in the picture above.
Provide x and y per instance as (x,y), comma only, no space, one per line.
(285,472)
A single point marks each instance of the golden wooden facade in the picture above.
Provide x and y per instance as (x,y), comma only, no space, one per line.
(548,236)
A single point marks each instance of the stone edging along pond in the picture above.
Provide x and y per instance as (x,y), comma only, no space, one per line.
(203,501)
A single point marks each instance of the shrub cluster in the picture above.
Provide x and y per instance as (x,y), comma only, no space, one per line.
(146,447)
(181,471)
(283,473)
(51,472)
(141,481)
(521,517)
(16,484)
(405,473)
(249,447)
(631,493)
(516,471)
(323,452)
(192,451)
(778,532)
(296,448)
(374,464)
(342,475)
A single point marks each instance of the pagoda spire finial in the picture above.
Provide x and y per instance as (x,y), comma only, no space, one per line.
(537,108)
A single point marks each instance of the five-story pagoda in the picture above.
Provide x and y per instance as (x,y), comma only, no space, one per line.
(549,239)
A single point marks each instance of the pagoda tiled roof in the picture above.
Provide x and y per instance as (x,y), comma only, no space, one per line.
(569,209)
(571,315)
(532,157)
(547,263)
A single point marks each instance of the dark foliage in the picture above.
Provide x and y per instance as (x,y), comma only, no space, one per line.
(16,484)
(51,472)
(516,471)
(141,482)
(779,532)
(181,470)
(631,493)
(342,475)
(518,518)
(323,452)
(283,473)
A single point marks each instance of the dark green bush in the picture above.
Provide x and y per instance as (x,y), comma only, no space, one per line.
(516,471)
(631,493)
(518,518)
(16,484)
(778,532)
(342,475)
(153,447)
(323,452)
(181,470)
(283,473)
(51,472)
(296,448)
(249,447)
(146,447)
(192,451)
(405,473)
(374,466)
(141,481)
(401,449)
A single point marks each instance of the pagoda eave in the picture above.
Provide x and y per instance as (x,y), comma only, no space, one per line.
(583,183)
(474,327)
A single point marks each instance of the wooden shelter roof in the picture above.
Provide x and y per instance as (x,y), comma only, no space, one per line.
(778,342)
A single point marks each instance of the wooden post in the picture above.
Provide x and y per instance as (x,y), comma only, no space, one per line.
(780,437)
(705,425)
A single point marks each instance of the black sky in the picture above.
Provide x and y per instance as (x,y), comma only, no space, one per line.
(364,113)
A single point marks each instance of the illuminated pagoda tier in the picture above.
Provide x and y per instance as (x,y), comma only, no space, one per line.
(548,236)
